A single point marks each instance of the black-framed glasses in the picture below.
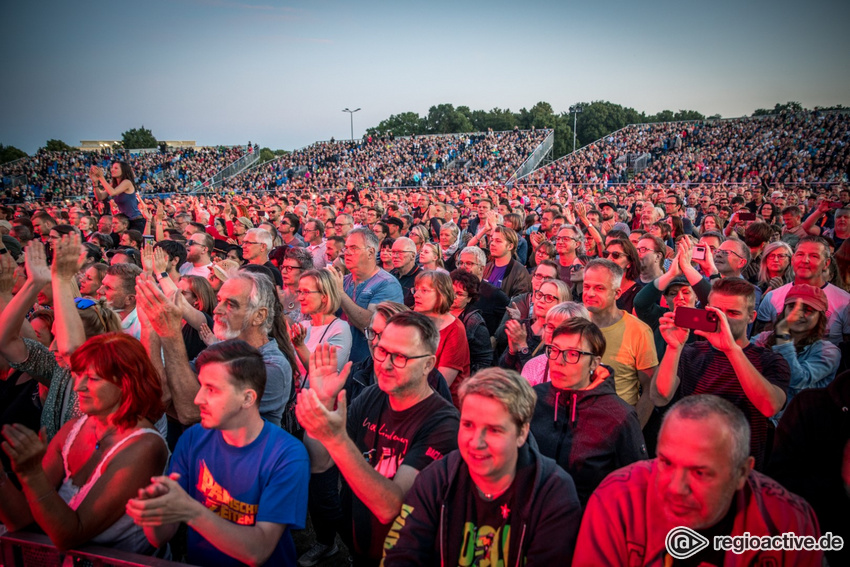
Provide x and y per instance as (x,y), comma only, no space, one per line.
(569,355)
(565,238)
(613,254)
(396,358)
(539,295)
(644,250)
(289,268)
(370,334)
(722,252)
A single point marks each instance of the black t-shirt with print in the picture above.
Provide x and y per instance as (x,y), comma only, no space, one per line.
(415,437)
(487,529)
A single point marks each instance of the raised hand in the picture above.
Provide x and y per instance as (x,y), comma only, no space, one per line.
(165,315)
(517,335)
(722,338)
(36,263)
(68,257)
(297,333)
(319,420)
(783,325)
(147,258)
(7,273)
(207,335)
(325,381)
(676,337)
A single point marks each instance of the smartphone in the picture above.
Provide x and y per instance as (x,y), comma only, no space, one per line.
(149,238)
(746,217)
(836,205)
(697,319)
(699,252)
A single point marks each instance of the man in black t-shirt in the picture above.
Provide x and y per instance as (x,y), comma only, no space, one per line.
(392,431)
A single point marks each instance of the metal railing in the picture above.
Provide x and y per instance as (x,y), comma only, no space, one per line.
(251,157)
(24,549)
(581,149)
(530,164)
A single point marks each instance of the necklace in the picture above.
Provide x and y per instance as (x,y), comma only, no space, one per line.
(108,432)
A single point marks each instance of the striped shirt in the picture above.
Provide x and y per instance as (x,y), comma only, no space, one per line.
(705,370)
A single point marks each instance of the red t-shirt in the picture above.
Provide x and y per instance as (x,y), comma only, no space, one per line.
(453,352)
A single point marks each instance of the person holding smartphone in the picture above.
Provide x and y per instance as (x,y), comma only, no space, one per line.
(755,379)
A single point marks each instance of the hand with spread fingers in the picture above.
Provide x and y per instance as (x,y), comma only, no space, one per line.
(325,380)
(165,315)
(36,263)
(68,257)
(325,425)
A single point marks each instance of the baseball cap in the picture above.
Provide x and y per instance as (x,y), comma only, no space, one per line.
(246,221)
(809,295)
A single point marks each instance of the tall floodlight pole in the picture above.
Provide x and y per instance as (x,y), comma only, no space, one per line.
(575,110)
(351,114)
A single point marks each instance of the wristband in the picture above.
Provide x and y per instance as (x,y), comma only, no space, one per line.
(784,337)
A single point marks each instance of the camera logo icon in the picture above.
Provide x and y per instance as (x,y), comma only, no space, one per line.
(683,543)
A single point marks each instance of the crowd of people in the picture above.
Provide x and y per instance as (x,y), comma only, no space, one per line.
(389,161)
(470,375)
(789,148)
(64,175)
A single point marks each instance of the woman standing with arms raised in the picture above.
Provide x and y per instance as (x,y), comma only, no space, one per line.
(122,189)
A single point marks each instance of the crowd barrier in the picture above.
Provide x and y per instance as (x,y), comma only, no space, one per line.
(24,549)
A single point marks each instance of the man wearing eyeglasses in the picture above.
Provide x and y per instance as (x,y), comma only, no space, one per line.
(364,288)
(392,430)
(288,228)
(673,208)
(199,246)
(314,230)
(569,243)
(255,250)
(405,268)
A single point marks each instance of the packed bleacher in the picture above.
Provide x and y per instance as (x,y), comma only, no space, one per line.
(62,175)
(807,147)
(389,161)
(465,372)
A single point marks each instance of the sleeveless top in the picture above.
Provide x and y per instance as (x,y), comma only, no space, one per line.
(128,203)
(123,534)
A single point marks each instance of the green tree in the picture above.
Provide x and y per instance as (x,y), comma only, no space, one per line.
(266,155)
(446,119)
(689,115)
(404,124)
(57,146)
(10,153)
(788,106)
(600,118)
(138,138)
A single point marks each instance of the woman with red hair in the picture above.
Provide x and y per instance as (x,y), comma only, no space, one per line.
(76,488)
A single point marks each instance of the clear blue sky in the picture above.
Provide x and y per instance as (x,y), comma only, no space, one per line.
(279,73)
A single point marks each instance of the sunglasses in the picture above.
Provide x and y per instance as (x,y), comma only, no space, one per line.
(615,255)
